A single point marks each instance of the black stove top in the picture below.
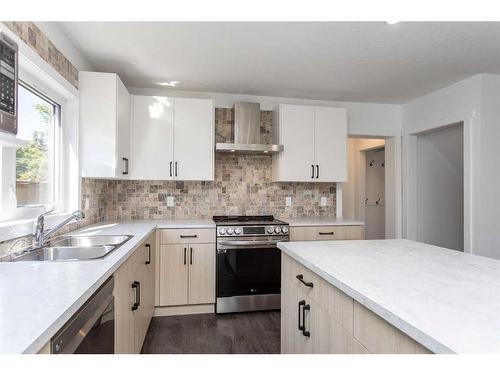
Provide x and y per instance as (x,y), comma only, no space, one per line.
(247,220)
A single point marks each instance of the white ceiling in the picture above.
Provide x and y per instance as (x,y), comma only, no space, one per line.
(350,61)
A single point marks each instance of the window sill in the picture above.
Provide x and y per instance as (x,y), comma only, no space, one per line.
(12,229)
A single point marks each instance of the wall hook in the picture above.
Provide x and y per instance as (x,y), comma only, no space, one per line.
(366,200)
(372,162)
(378,201)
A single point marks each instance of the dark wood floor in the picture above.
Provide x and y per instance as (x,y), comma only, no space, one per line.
(242,333)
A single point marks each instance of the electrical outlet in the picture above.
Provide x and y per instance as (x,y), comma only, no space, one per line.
(288,201)
(323,201)
(170,201)
(86,205)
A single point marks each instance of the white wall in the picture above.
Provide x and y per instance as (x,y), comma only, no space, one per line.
(476,101)
(440,187)
(363,118)
(375,191)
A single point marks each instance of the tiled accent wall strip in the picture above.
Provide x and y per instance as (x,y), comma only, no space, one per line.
(29,33)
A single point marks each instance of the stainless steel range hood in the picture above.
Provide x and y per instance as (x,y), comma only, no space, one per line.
(247,132)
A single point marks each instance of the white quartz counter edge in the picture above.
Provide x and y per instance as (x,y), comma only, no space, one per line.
(18,311)
(419,336)
(321,222)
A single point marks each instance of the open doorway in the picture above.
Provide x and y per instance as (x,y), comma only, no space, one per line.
(364,195)
(440,187)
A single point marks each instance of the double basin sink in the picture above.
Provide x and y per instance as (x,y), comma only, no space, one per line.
(73,248)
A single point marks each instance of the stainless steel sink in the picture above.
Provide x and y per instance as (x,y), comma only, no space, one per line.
(73,248)
(88,241)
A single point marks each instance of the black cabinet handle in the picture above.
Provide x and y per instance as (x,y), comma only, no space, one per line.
(312,166)
(188,235)
(175,169)
(326,233)
(301,279)
(190,255)
(301,326)
(185,249)
(304,332)
(148,246)
(170,169)
(136,285)
(317,170)
(126,166)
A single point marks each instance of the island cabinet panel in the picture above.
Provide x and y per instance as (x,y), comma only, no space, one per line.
(134,298)
(318,318)
(378,336)
(186,272)
(327,233)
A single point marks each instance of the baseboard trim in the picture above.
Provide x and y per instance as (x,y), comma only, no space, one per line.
(184,310)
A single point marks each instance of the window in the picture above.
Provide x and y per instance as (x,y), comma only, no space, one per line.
(36,162)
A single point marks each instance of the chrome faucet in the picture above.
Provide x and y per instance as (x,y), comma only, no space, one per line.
(40,236)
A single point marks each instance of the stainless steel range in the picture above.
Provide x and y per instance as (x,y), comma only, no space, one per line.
(248,263)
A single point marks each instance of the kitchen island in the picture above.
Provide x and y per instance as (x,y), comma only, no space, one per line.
(392,296)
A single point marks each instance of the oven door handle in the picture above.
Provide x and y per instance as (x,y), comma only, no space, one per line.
(235,244)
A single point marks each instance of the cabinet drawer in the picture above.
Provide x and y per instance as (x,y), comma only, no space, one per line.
(171,236)
(317,233)
(381,337)
(335,302)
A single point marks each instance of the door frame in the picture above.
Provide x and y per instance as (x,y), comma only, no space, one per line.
(471,132)
(393,155)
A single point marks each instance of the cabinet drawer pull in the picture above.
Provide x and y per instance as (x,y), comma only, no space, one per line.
(136,285)
(188,235)
(301,326)
(326,233)
(185,249)
(304,331)
(317,170)
(312,166)
(148,246)
(175,169)
(170,169)
(190,255)
(309,284)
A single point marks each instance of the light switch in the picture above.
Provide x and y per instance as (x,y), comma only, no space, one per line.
(288,201)
(170,201)
(323,201)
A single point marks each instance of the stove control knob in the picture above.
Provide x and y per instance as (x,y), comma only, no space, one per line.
(229,231)
(237,231)
(284,230)
(222,231)
(277,230)
(270,230)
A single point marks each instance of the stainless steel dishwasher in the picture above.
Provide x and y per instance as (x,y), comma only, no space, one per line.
(92,329)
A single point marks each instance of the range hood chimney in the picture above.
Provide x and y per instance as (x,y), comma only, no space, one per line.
(247,132)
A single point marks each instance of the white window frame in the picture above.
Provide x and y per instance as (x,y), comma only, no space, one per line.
(38,74)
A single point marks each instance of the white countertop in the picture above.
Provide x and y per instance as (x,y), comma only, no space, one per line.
(446,300)
(37,298)
(320,221)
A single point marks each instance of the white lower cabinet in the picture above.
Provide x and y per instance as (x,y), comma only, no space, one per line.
(317,318)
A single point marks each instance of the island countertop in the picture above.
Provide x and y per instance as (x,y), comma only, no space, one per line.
(448,301)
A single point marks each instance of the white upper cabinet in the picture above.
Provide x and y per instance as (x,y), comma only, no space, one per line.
(194,139)
(314,140)
(104,126)
(172,138)
(330,144)
(152,138)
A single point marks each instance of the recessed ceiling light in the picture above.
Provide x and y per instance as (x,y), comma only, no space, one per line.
(168,83)
(391,22)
